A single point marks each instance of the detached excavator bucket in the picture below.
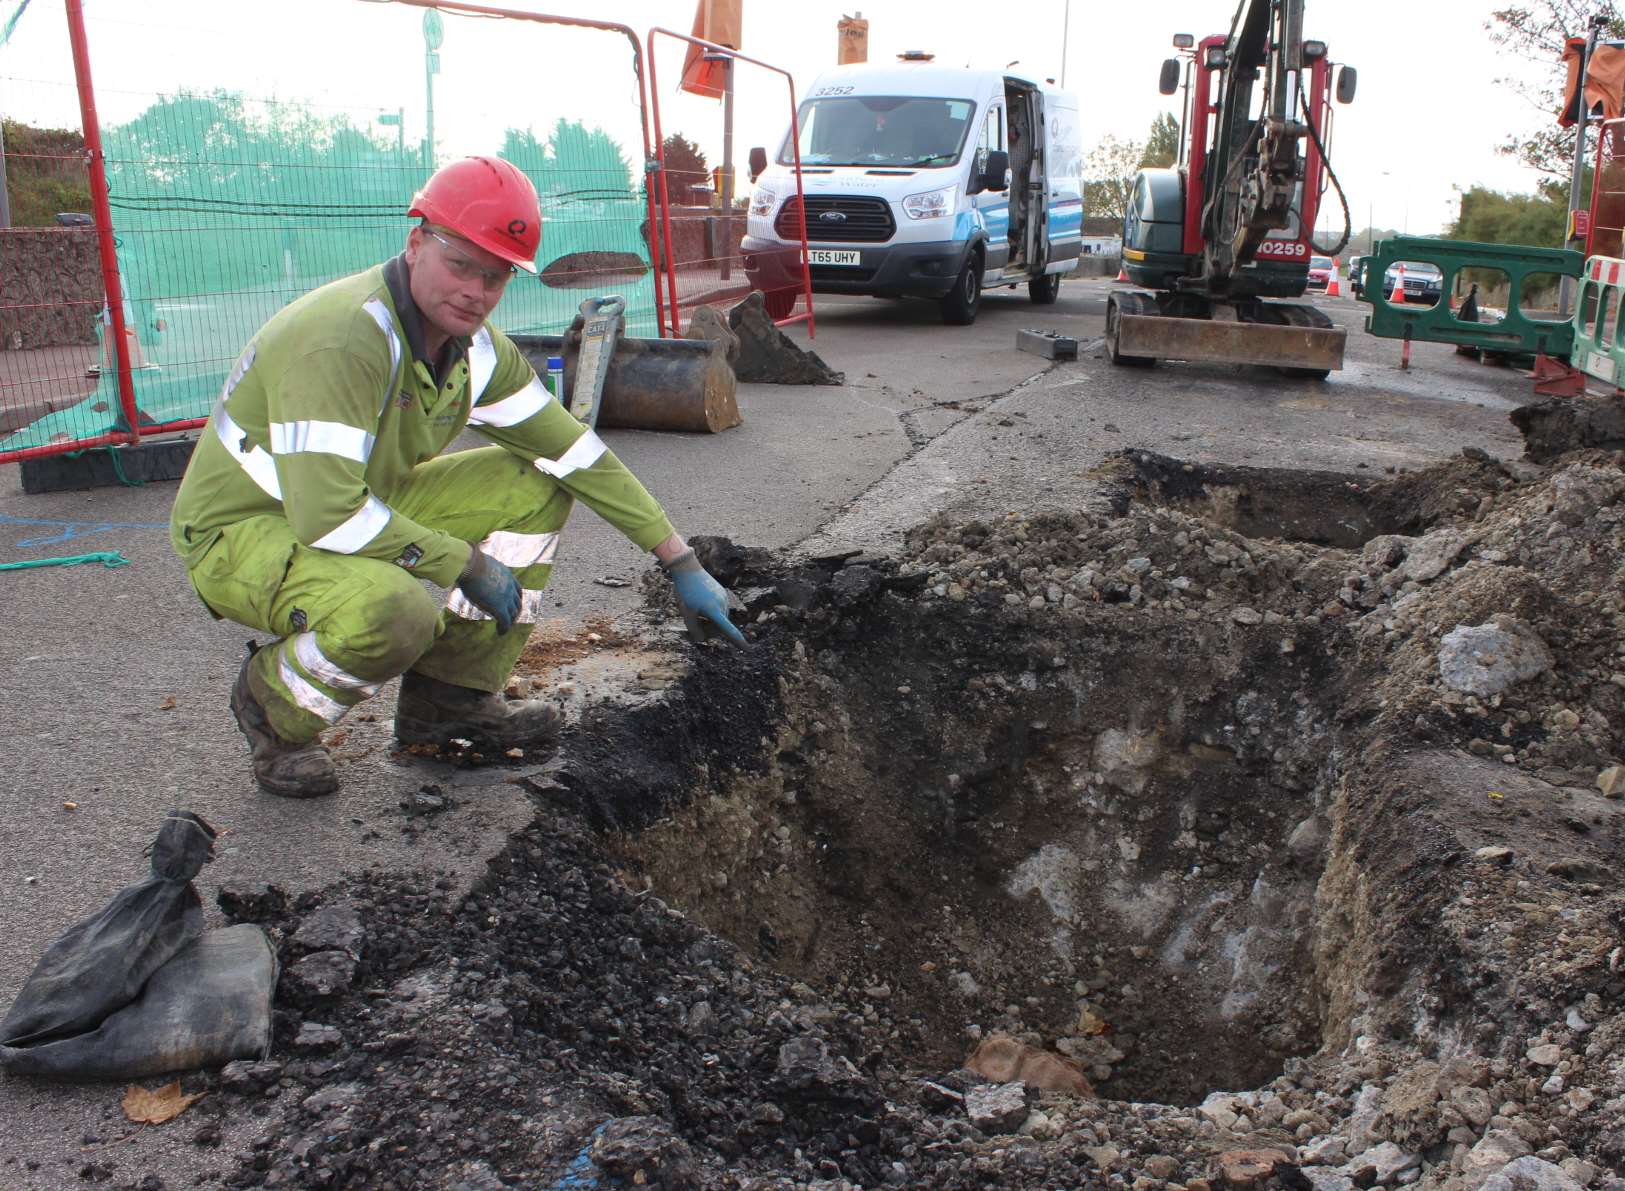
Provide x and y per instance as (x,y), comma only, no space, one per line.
(653,384)
(1160,337)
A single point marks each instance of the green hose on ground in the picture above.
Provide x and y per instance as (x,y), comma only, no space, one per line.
(108,558)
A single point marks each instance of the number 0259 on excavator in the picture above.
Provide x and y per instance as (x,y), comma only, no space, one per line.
(1211,239)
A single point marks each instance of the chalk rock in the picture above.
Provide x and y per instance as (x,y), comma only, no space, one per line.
(1381,1164)
(1547,1054)
(1430,556)
(1530,1174)
(1486,659)
(1493,1152)
(1246,1168)
(1324,1178)
(1220,1108)
(997,1108)
(1611,781)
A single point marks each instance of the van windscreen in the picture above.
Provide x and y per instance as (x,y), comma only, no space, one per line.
(881,130)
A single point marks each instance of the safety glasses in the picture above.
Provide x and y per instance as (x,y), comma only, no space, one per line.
(465,269)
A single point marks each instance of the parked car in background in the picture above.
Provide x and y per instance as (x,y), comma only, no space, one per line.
(1423,282)
(1321,269)
(1354,273)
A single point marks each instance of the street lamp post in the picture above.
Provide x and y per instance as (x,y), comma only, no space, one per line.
(433,34)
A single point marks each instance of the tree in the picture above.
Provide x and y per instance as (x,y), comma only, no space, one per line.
(1162,142)
(685,167)
(1109,176)
(45,173)
(1536,32)
(1493,217)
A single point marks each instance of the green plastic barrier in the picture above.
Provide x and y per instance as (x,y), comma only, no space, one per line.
(1598,316)
(1517,332)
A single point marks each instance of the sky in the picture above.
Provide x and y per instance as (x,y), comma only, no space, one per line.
(1424,124)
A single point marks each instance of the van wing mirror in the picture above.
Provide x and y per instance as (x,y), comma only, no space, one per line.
(1346,77)
(758,162)
(1168,83)
(994,173)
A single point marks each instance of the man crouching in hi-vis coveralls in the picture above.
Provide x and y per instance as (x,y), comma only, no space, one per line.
(318,497)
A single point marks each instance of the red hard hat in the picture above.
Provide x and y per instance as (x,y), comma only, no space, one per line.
(487,201)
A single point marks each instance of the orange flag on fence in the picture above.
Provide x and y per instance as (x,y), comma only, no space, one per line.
(716,21)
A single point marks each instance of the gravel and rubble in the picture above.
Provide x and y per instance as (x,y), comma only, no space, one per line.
(1299,850)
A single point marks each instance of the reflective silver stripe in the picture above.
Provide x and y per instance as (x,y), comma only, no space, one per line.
(521,549)
(380,315)
(482,363)
(328,438)
(362,527)
(309,655)
(512,409)
(530,606)
(583,453)
(256,461)
(240,370)
(304,694)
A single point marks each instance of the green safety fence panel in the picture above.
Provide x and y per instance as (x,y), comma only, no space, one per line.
(237,186)
(1519,329)
(1599,320)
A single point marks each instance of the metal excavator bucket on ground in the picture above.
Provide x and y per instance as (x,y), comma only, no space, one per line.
(1297,338)
(613,380)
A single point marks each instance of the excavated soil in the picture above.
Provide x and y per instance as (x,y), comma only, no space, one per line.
(1194,788)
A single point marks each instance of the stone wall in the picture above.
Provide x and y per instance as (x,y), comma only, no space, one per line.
(52,285)
(688,234)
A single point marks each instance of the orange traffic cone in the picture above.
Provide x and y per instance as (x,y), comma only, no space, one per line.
(1122,273)
(1397,295)
(1333,290)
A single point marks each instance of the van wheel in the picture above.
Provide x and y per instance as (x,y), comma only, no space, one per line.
(960,306)
(1044,289)
(780,303)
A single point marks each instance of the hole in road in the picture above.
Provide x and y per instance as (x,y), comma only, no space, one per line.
(1319,508)
(1099,834)
(1093,856)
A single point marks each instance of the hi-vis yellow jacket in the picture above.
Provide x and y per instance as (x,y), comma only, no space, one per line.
(332,405)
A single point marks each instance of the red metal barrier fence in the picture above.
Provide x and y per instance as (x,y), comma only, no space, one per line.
(1606,233)
(700,257)
(272,164)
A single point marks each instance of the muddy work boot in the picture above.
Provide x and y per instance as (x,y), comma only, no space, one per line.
(281,767)
(435,712)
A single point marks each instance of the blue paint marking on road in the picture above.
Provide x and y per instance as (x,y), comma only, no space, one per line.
(67,531)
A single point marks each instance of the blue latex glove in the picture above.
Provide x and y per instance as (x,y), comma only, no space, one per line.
(492,588)
(699,595)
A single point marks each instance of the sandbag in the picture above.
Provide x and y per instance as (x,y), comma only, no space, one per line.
(139,989)
(205,1007)
(102,963)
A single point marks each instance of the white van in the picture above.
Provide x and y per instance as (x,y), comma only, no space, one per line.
(921,181)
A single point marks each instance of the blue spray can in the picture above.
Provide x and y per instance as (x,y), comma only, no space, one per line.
(555,376)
